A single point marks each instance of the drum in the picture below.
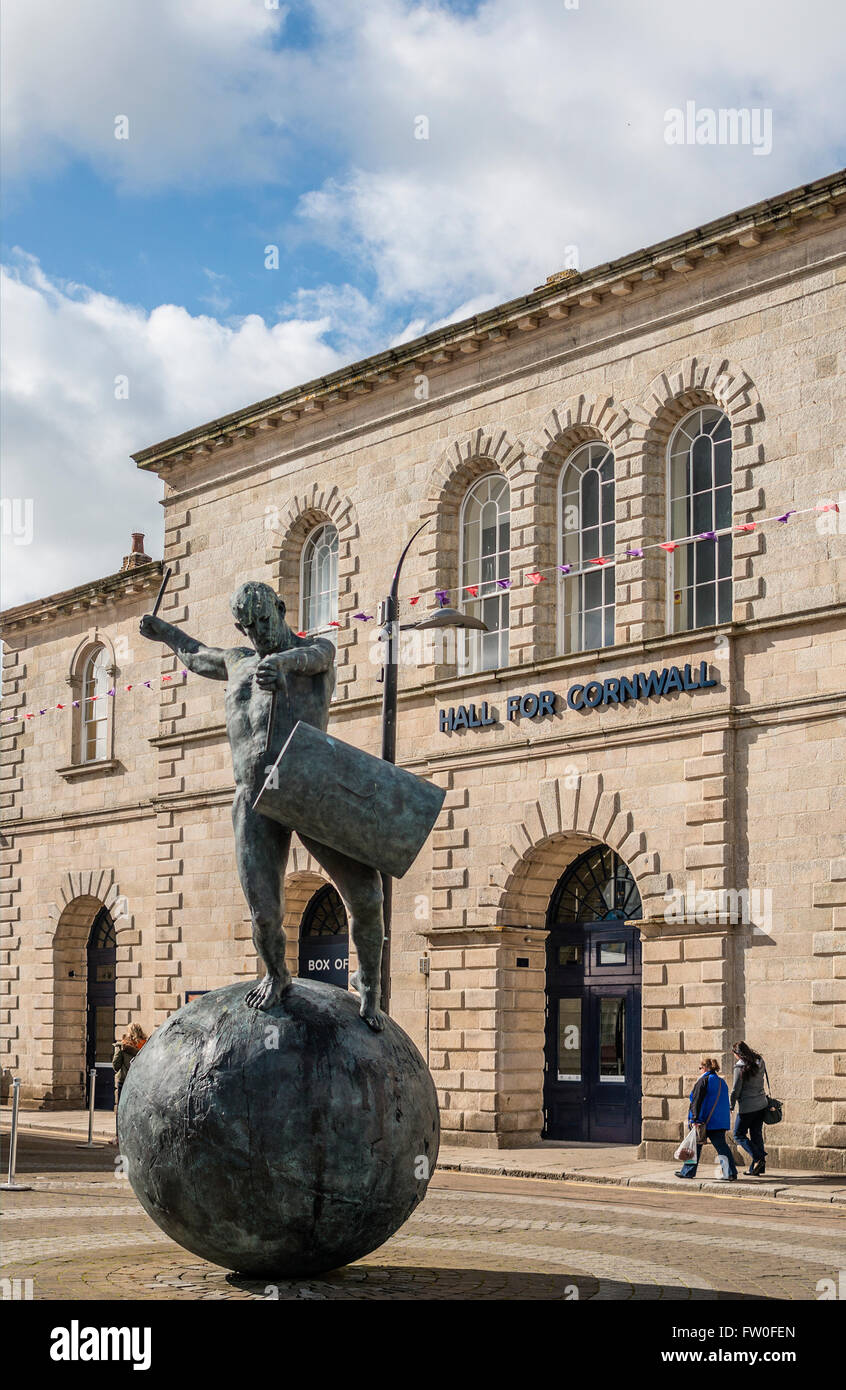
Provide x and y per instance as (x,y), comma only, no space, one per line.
(368,809)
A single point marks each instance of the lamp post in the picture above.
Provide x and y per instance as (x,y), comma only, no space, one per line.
(388,618)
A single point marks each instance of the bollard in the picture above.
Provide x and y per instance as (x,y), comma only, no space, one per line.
(12,1185)
(92,1081)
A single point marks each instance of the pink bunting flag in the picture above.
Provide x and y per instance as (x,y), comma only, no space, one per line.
(414,600)
(747,526)
(600,560)
(535,576)
(473,589)
(669,546)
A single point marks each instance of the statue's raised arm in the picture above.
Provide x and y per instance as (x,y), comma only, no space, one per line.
(200,660)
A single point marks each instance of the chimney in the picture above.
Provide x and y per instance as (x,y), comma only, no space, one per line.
(136,556)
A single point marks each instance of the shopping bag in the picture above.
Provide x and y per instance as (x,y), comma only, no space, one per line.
(687,1148)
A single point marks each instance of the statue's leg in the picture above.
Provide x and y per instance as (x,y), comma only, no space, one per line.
(360,888)
(261,851)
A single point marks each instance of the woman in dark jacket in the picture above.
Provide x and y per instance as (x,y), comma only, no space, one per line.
(709,1105)
(749,1095)
(125,1053)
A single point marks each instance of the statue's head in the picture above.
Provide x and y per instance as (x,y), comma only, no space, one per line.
(259,613)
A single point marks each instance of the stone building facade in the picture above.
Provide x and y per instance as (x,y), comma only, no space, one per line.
(688,842)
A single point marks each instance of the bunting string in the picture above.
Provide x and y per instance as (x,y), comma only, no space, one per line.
(486,588)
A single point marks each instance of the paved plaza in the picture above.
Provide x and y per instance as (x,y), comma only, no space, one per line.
(80,1233)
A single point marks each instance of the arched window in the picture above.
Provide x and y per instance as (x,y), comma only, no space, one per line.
(320,579)
(325,914)
(587,535)
(485,567)
(598,887)
(699,463)
(95,706)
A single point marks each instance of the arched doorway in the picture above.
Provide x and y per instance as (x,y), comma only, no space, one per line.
(592,1081)
(324,939)
(100,1012)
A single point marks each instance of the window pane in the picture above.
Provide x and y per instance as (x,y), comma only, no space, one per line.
(705,560)
(723,508)
(590,498)
(702,512)
(571,954)
(700,459)
(104,1033)
(705,605)
(611,953)
(612,1038)
(724,601)
(722,465)
(593,628)
(569,1040)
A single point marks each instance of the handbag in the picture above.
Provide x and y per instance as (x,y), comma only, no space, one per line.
(701,1126)
(774,1113)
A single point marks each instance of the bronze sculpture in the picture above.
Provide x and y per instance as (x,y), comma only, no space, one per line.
(258,725)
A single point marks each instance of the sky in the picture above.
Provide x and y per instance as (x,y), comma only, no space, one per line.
(414,163)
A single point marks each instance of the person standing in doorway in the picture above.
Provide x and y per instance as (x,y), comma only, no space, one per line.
(710,1113)
(750,1097)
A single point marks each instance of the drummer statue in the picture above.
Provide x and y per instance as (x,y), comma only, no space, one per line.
(303,671)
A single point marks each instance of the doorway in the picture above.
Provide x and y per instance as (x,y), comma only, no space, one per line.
(100,1012)
(592,1080)
(324,939)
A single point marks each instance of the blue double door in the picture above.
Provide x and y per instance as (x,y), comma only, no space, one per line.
(592,1085)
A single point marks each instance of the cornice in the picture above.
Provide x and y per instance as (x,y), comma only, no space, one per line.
(564,294)
(97,594)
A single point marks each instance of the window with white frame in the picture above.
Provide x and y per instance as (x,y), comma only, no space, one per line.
(485,566)
(95,706)
(700,508)
(320,579)
(587,538)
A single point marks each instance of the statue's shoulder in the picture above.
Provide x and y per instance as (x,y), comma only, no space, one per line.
(236,656)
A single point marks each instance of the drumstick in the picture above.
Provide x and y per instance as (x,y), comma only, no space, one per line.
(164,585)
(271,720)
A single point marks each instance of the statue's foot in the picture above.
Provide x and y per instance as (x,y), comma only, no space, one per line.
(372,1017)
(369,1010)
(268,991)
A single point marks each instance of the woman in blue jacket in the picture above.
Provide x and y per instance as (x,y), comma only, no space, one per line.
(709,1105)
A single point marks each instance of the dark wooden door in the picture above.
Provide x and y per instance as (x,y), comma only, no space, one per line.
(593,1056)
(592,1082)
(100,1027)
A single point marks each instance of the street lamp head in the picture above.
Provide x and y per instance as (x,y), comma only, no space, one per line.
(446,617)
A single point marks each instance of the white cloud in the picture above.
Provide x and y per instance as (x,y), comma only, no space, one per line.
(546,131)
(67,439)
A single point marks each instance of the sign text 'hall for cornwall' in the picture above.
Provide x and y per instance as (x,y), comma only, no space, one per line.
(614,690)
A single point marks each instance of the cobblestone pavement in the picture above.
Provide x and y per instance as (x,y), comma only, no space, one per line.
(80,1234)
